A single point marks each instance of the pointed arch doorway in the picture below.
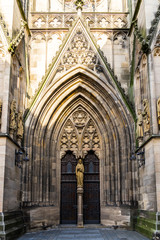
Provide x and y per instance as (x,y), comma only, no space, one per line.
(91,200)
(80,136)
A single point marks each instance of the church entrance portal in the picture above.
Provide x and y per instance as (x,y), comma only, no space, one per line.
(91,204)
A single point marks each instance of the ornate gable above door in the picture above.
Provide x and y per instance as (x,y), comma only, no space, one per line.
(79,52)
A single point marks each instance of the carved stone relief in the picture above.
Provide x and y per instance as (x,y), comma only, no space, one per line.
(79,52)
(144,76)
(103,38)
(69,140)
(157,52)
(79,134)
(39,22)
(20,126)
(52,20)
(90,138)
(93,20)
(146,116)
(120,38)
(13,118)
(139,129)
(158,111)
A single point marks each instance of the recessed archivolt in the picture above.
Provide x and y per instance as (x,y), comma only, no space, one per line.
(48,115)
(54,101)
(56,111)
(79,76)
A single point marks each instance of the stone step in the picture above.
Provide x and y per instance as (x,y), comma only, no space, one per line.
(9,215)
(146,231)
(61,226)
(12,233)
(147,222)
(11,225)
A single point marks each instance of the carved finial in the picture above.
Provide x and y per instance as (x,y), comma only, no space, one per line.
(14,43)
(79,4)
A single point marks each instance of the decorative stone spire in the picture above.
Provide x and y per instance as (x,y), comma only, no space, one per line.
(79,4)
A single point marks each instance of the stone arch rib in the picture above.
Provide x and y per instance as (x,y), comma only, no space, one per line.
(45,124)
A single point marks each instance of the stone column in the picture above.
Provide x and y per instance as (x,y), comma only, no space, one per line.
(79,176)
(80,206)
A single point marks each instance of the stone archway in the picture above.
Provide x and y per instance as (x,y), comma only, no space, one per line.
(80,112)
(80,137)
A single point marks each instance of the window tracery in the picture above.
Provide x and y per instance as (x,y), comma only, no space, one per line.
(79,134)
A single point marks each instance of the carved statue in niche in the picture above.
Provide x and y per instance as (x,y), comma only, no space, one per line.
(146,116)
(0,112)
(13,117)
(79,173)
(158,111)
(20,125)
(139,131)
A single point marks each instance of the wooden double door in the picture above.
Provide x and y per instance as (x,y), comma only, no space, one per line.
(91,197)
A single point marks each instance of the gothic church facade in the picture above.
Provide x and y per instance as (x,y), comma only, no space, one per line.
(79,79)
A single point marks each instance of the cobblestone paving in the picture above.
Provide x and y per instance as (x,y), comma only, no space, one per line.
(83,234)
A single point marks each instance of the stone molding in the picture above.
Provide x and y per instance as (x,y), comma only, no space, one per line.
(93,20)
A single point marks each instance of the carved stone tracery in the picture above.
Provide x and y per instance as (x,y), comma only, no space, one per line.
(79,52)
(93,20)
(79,134)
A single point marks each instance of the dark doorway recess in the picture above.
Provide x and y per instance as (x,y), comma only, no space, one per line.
(68,189)
(91,203)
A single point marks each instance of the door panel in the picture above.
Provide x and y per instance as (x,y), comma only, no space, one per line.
(91,204)
(91,189)
(68,189)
